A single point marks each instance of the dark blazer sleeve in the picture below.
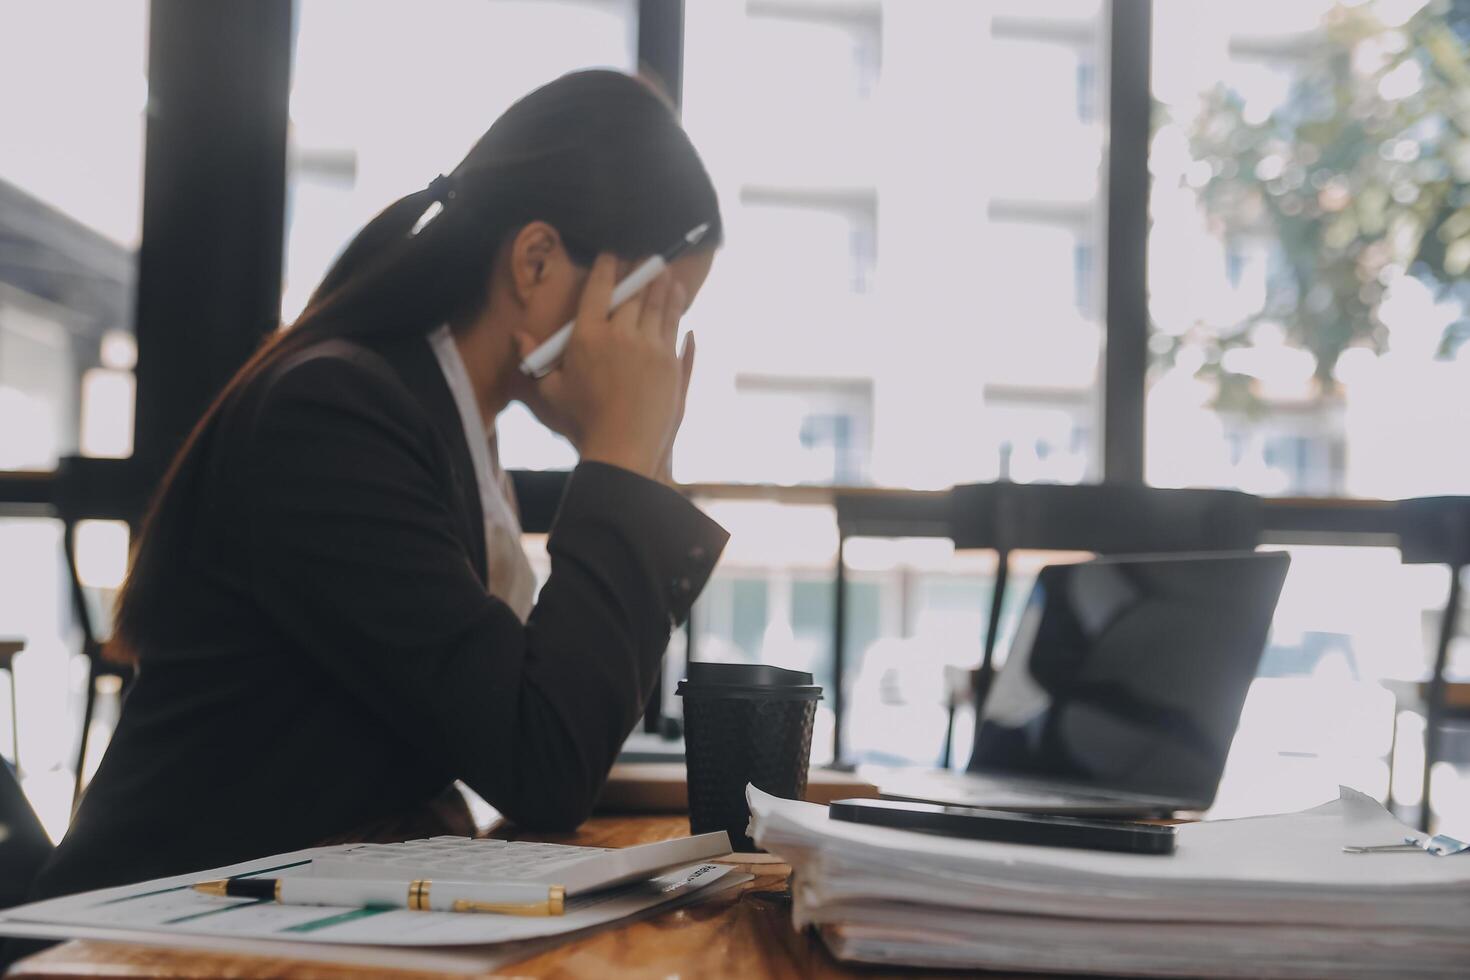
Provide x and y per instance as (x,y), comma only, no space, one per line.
(356,557)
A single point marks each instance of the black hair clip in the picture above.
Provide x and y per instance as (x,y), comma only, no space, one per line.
(442,188)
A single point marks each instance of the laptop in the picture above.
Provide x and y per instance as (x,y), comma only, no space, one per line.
(1122,689)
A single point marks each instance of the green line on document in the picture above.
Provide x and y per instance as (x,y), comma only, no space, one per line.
(129,898)
(335,920)
(228,908)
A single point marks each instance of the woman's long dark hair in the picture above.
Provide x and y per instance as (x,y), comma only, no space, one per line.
(598,155)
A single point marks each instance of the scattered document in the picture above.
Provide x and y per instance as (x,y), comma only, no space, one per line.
(169,911)
(1263,896)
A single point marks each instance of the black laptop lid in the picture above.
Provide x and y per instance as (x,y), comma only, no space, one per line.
(1129,674)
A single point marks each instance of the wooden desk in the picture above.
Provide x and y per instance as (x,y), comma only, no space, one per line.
(742,932)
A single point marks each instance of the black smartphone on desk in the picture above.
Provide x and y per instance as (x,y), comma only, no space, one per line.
(1010,828)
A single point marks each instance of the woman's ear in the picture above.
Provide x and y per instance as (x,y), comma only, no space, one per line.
(534,253)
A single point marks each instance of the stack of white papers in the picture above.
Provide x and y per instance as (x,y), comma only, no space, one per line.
(1259,897)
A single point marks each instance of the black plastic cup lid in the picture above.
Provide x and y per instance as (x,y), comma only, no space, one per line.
(745,675)
(717,680)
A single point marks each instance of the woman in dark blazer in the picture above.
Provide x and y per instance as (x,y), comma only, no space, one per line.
(330,618)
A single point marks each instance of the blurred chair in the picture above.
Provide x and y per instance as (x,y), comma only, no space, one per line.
(103,489)
(1436,530)
(1108,519)
(98,666)
(24,846)
(8,650)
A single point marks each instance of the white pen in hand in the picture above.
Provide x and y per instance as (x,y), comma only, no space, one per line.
(540,361)
(420,894)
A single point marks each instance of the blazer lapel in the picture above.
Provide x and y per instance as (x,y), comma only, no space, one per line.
(415,363)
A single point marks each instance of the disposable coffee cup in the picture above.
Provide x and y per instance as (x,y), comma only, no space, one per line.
(744,723)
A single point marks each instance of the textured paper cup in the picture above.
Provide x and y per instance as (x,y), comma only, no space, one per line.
(744,723)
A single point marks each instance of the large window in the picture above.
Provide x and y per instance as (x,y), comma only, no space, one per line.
(913,253)
(71,165)
(74,78)
(911,294)
(1349,643)
(1307,278)
(1309,248)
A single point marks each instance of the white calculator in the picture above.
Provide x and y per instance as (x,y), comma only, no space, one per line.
(577,869)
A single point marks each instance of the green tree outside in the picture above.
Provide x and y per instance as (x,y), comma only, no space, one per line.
(1362,174)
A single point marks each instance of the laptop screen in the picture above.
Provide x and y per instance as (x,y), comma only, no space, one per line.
(1129,674)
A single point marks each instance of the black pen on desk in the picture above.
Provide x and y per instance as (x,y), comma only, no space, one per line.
(420,894)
